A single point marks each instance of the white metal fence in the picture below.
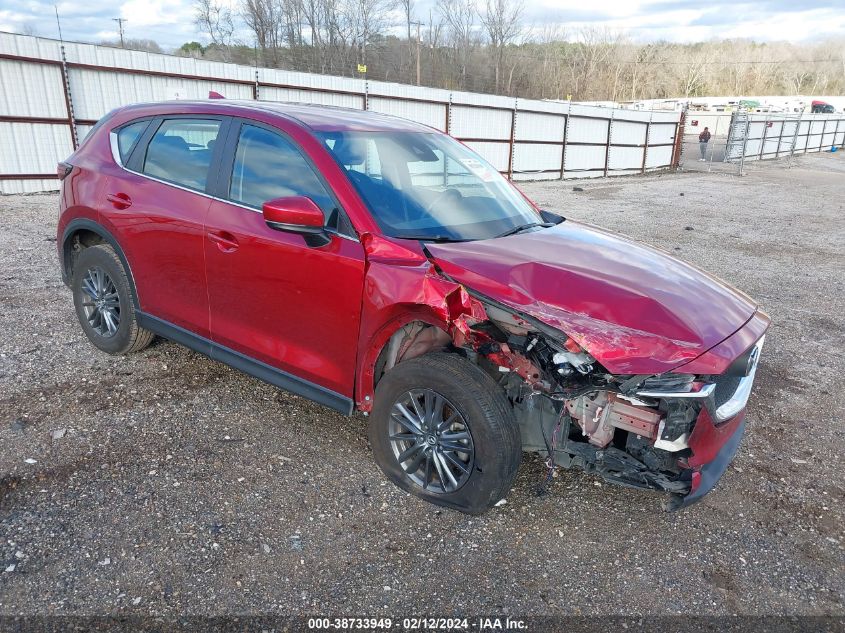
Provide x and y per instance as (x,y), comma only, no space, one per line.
(48,101)
(761,136)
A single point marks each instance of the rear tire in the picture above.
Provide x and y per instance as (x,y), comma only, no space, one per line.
(480,447)
(105,305)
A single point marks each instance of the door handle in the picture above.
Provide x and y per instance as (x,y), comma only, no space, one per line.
(119,200)
(225,241)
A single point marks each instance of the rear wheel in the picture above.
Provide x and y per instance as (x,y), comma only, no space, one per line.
(443,430)
(104,303)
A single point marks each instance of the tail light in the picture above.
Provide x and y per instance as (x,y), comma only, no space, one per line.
(63,169)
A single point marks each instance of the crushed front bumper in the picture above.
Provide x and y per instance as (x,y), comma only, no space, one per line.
(713,448)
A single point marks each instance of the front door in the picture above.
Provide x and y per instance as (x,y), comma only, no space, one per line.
(273,297)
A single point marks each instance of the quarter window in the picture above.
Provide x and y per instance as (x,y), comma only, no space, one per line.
(267,166)
(180,151)
(127,136)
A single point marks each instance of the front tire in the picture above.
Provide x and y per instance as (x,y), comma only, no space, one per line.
(443,430)
(104,302)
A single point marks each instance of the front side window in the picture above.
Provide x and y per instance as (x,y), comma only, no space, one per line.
(180,151)
(421,185)
(268,166)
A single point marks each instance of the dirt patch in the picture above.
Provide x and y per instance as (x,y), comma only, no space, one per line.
(211,493)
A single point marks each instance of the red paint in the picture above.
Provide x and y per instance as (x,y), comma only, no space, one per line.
(636,309)
(717,359)
(278,300)
(324,312)
(294,210)
(707,438)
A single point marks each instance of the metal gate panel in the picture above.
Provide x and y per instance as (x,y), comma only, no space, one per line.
(31,90)
(82,131)
(290,78)
(584,161)
(752,148)
(775,129)
(659,157)
(536,157)
(497,154)
(37,146)
(295,95)
(770,146)
(432,114)
(480,123)
(97,92)
(628,133)
(816,127)
(622,160)
(583,130)
(531,126)
(662,133)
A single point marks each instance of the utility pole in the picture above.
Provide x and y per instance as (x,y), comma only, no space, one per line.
(419,24)
(120,22)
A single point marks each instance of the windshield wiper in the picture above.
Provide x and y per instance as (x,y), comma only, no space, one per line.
(524,227)
(431,238)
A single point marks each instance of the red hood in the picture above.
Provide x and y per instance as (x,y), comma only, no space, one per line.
(636,309)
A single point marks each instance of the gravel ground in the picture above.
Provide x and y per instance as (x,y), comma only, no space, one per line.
(164,483)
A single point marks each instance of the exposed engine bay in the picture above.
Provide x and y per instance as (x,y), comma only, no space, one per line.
(587,418)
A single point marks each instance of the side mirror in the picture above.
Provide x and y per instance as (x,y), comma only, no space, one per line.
(296,214)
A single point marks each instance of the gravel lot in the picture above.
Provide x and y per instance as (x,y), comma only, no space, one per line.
(164,483)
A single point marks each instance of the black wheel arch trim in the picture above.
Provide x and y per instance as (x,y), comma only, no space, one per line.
(244,363)
(89,225)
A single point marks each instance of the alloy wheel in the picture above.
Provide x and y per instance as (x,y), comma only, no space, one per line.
(431,441)
(101,303)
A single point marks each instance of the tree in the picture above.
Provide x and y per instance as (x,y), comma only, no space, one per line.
(148,46)
(191,49)
(459,17)
(215,20)
(501,20)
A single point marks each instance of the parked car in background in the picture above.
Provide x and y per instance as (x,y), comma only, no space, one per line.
(373,264)
(820,107)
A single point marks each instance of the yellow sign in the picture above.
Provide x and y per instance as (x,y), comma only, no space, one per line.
(362,68)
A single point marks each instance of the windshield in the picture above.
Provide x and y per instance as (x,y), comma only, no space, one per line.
(422,185)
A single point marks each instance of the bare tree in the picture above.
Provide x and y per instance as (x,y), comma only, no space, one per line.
(489,50)
(215,20)
(501,20)
(459,17)
(260,18)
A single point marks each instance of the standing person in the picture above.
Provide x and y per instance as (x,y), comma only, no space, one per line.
(703,139)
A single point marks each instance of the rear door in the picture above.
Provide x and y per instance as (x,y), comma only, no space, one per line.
(157,207)
(272,296)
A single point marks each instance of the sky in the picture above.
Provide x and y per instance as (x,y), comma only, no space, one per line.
(170,22)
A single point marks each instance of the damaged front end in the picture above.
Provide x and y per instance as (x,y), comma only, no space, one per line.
(673,432)
(633,405)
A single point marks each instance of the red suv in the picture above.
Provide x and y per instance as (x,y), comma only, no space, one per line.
(374,264)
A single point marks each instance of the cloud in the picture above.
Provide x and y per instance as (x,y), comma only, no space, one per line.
(171,23)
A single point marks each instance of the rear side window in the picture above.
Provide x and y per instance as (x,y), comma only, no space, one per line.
(180,151)
(268,166)
(127,136)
